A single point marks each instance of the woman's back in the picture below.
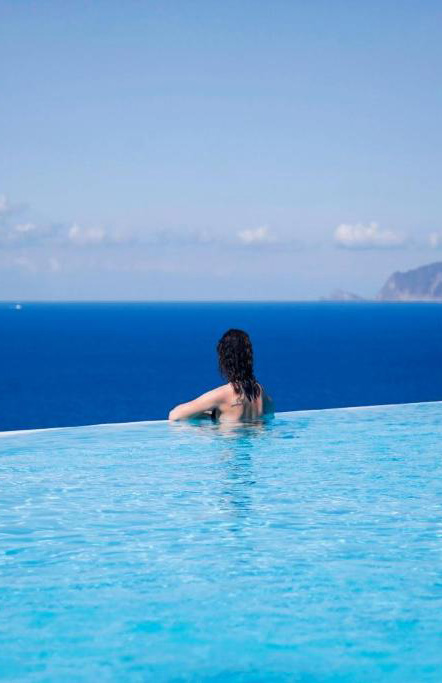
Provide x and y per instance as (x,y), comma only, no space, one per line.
(238,408)
(242,398)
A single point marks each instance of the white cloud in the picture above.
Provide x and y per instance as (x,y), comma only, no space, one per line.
(256,236)
(435,240)
(26,234)
(4,205)
(7,210)
(24,262)
(9,232)
(359,236)
(186,236)
(22,228)
(81,236)
(86,236)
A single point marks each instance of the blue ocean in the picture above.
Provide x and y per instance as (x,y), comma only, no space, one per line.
(74,364)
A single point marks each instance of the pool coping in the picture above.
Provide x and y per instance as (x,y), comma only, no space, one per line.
(15,432)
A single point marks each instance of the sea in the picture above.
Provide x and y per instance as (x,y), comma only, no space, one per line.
(64,364)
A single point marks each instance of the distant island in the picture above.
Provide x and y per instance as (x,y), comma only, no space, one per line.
(420,284)
(343,295)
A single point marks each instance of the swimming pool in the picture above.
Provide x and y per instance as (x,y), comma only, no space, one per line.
(305,549)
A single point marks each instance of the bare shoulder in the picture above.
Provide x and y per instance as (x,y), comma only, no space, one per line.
(218,394)
(223,395)
(223,392)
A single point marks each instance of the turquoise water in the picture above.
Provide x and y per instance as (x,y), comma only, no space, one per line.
(305,549)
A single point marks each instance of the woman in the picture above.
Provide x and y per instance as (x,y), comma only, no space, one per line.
(242,398)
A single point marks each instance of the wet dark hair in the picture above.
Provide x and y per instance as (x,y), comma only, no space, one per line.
(235,356)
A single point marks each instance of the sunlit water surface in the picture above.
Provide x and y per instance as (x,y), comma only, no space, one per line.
(305,549)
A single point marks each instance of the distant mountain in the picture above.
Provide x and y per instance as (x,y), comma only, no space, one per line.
(420,284)
(342,295)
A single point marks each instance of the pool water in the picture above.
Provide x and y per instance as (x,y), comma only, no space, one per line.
(308,548)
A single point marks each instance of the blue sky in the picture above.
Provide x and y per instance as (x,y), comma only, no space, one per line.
(217,150)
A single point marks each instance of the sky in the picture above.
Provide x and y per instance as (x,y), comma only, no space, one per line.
(194,149)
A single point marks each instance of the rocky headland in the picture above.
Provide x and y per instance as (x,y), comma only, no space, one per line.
(419,284)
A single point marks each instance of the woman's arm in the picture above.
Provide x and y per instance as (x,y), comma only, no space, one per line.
(208,401)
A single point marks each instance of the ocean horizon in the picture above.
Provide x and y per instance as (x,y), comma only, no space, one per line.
(75,363)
